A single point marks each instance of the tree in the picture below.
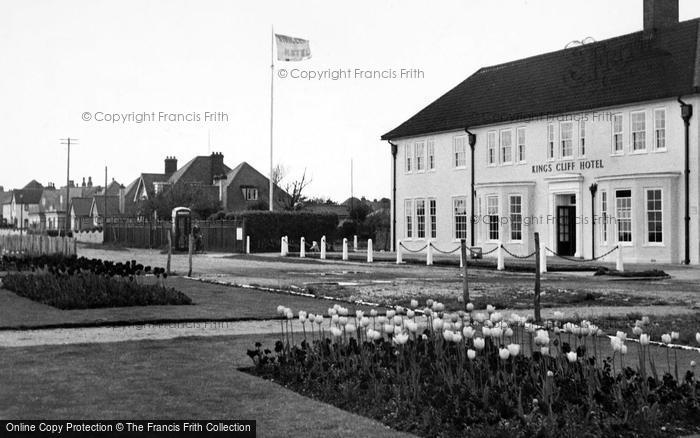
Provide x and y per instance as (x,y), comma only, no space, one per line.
(295,190)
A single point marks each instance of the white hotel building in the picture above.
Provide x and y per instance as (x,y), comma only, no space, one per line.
(591,147)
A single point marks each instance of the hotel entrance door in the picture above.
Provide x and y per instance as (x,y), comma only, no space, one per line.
(566,230)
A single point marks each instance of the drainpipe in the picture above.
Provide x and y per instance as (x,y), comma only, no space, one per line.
(472,143)
(394,151)
(593,188)
(686,114)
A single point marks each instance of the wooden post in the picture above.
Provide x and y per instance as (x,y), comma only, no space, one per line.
(465,281)
(538,317)
(189,253)
(170,251)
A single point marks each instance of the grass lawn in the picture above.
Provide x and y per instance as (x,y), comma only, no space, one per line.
(211,302)
(193,378)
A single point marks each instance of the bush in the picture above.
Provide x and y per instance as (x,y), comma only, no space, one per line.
(87,290)
(265,228)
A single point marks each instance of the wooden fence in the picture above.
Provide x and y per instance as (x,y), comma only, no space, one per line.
(37,244)
(221,235)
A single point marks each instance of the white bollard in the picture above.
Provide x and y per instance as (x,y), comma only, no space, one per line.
(429,254)
(345,248)
(354,243)
(323,248)
(282,246)
(370,251)
(302,248)
(543,259)
(461,259)
(247,244)
(501,257)
(399,256)
(285,246)
(620,265)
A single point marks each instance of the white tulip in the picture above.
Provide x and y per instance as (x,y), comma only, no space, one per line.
(637,330)
(490,309)
(388,328)
(644,339)
(471,354)
(666,338)
(675,335)
(544,351)
(364,322)
(335,331)
(514,349)
(572,356)
(401,338)
(373,313)
(390,314)
(412,326)
(359,314)
(343,320)
(470,307)
(410,313)
(479,343)
(486,332)
(623,349)
(550,374)
(456,337)
(414,303)
(468,332)
(447,334)
(280,310)
(503,353)
(438,323)
(343,311)
(697,338)
(335,318)
(622,336)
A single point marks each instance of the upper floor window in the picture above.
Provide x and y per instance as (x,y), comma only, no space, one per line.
(409,157)
(551,151)
(250,193)
(506,146)
(582,138)
(420,156)
(617,130)
(521,144)
(660,129)
(491,148)
(460,151)
(639,130)
(431,154)
(567,140)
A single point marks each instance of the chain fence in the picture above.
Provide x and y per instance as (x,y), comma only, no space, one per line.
(571,259)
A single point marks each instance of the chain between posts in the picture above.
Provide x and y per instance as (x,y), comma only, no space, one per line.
(584,260)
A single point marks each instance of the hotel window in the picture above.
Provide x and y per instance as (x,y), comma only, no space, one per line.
(432,211)
(567,142)
(408,213)
(551,151)
(617,135)
(460,151)
(521,145)
(431,154)
(506,146)
(582,138)
(623,205)
(516,217)
(491,147)
(420,156)
(604,214)
(492,213)
(420,218)
(409,158)
(250,193)
(459,206)
(660,129)
(654,217)
(639,131)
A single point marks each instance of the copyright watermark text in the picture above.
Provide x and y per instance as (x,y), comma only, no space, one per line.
(154,117)
(337,74)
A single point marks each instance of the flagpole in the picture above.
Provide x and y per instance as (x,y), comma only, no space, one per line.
(272,96)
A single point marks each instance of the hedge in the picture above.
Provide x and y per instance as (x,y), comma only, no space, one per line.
(266,228)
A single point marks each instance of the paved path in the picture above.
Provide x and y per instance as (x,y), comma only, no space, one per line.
(157,331)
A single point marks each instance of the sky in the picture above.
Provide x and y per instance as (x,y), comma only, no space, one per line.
(63,62)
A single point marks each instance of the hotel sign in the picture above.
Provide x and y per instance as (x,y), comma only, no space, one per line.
(567,166)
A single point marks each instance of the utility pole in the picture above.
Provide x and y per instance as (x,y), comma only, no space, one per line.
(68,141)
(104,210)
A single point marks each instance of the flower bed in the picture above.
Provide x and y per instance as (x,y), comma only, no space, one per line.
(80,283)
(474,374)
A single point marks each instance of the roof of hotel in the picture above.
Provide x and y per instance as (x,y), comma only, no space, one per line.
(637,67)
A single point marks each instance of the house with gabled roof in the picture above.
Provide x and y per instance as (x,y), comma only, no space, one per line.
(80,213)
(593,147)
(244,188)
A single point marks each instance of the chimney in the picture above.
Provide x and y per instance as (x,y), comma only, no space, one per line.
(71,183)
(170,165)
(217,165)
(659,14)
(89,181)
(83,181)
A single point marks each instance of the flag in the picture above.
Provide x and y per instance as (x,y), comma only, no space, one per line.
(292,49)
